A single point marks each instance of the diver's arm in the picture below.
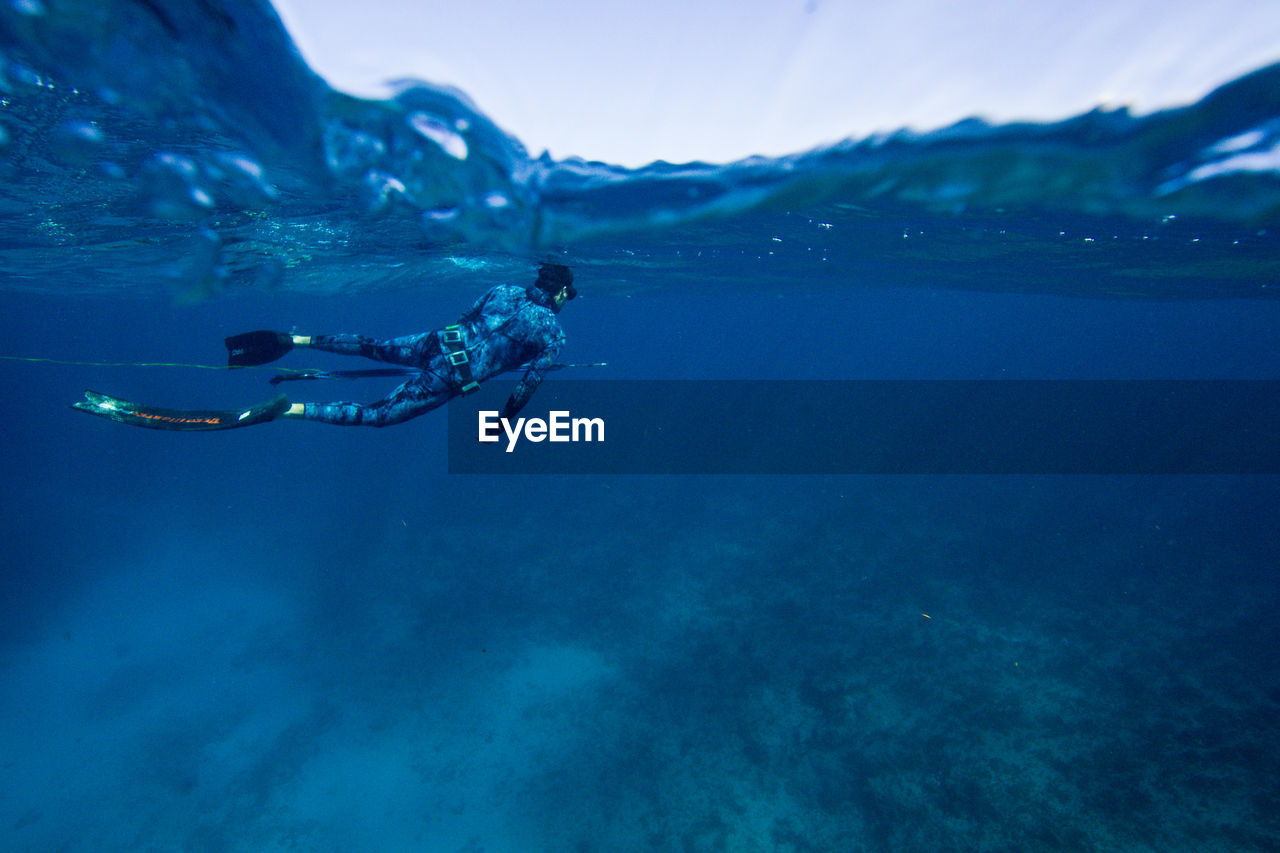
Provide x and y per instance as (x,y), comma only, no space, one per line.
(530,381)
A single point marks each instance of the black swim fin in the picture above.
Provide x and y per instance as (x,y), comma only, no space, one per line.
(185,420)
(252,348)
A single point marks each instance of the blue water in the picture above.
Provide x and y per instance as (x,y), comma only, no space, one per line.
(296,637)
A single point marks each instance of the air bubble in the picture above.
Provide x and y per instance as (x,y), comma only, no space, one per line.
(25,76)
(75,143)
(172,182)
(440,133)
(441,223)
(31,8)
(351,153)
(383,189)
(440,214)
(243,179)
(110,171)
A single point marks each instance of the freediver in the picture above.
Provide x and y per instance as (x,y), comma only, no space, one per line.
(508,328)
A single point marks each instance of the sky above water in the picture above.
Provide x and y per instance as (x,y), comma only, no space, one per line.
(719,80)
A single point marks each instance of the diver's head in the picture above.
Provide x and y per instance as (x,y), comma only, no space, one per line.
(557,281)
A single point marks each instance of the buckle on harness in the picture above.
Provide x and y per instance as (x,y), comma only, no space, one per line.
(453,344)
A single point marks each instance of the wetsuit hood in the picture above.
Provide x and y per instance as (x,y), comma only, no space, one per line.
(538,296)
(553,278)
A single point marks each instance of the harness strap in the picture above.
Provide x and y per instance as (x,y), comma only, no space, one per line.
(453,342)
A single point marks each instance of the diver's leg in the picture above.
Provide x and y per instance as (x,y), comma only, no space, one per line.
(410,350)
(411,399)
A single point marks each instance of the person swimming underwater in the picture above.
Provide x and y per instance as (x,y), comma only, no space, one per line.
(509,327)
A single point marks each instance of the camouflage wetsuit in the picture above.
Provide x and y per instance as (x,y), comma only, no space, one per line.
(507,327)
